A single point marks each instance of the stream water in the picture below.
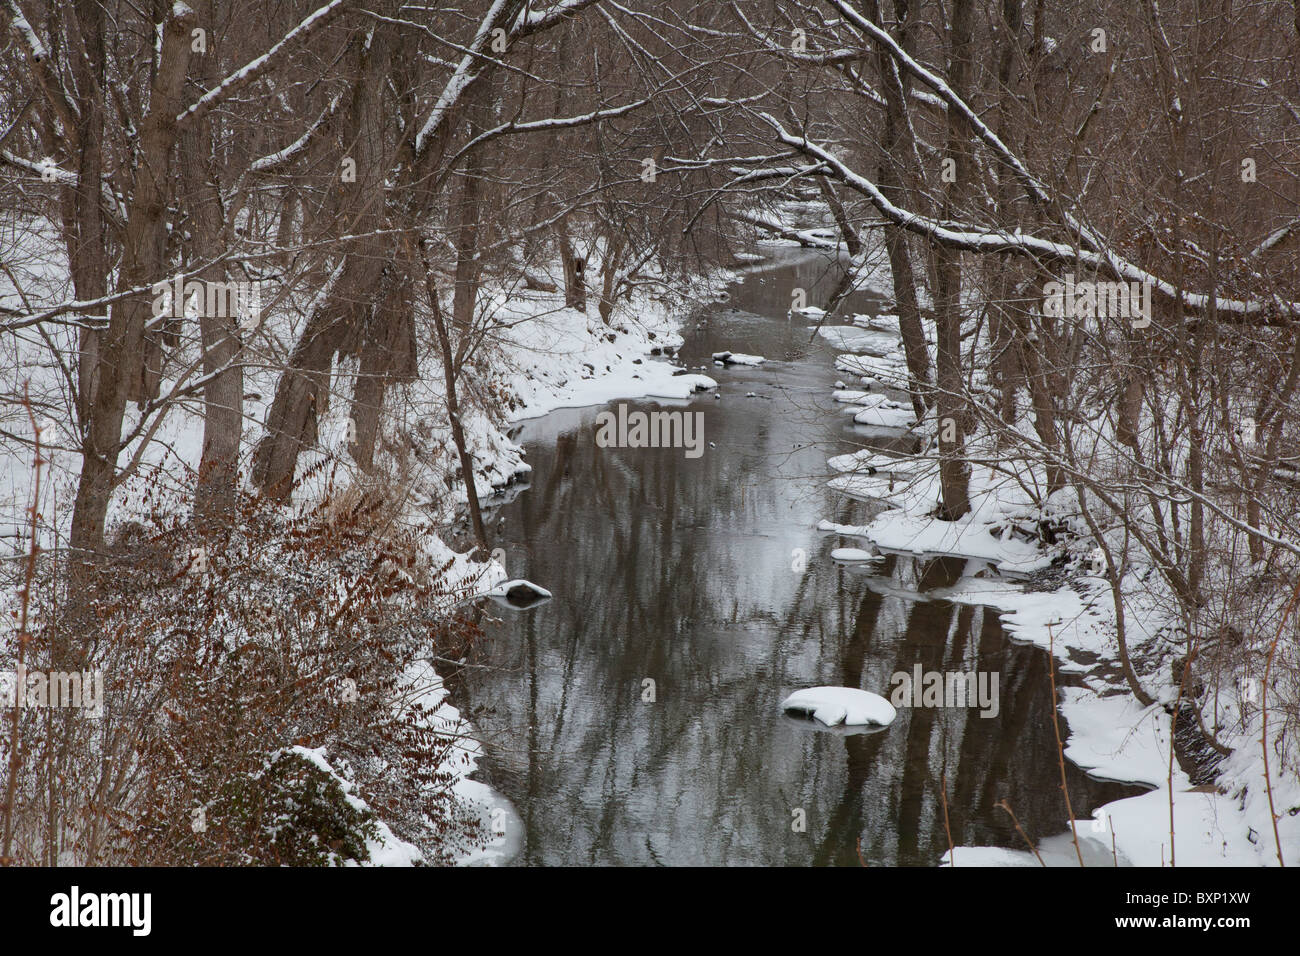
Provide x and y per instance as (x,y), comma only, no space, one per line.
(707,577)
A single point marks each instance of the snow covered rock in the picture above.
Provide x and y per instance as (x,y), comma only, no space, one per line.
(853,555)
(881,412)
(519,594)
(809,312)
(841,705)
(890,369)
(737,358)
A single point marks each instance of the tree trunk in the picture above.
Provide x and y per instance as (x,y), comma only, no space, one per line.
(223,393)
(954,472)
(88,256)
(851,241)
(575,286)
(1007,316)
(1042,396)
(302,393)
(468,266)
(614,246)
(895,145)
(345,321)
(121,356)
(449,373)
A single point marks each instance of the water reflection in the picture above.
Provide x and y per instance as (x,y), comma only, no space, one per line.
(635,718)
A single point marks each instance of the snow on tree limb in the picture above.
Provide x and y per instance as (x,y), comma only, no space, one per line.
(465,74)
(1037,190)
(256,68)
(980,240)
(551,123)
(65,178)
(38,56)
(525,22)
(34,47)
(280,157)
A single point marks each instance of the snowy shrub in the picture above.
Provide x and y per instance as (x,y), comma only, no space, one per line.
(292,813)
(219,651)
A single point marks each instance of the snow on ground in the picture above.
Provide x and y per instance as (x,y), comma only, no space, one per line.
(880,412)
(966,537)
(1210,829)
(564,358)
(987,533)
(1114,737)
(889,370)
(886,322)
(850,338)
(868,461)
(500,821)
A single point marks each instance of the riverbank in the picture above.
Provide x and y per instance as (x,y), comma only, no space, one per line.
(539,356)
(1063,606)
(550,358)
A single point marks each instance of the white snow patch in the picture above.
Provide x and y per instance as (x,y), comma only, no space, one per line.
(737,358)
(841,705)
(853,555)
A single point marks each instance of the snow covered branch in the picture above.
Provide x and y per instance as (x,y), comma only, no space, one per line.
(983,240)
(263,64)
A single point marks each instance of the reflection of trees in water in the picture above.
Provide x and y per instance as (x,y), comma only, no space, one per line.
(708,773)
(1011,755)
(648,598)
(679,571)
(819,275)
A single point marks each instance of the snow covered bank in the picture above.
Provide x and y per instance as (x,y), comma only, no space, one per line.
(537,356)
(1113,737)
(1014,528)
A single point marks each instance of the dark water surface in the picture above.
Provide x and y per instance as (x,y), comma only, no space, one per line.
(684,572)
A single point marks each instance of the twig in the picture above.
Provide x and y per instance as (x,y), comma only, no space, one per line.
(1060,751)
(1003,805)
(15,750)
(1173,735)
(1263,706)
(943,797)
